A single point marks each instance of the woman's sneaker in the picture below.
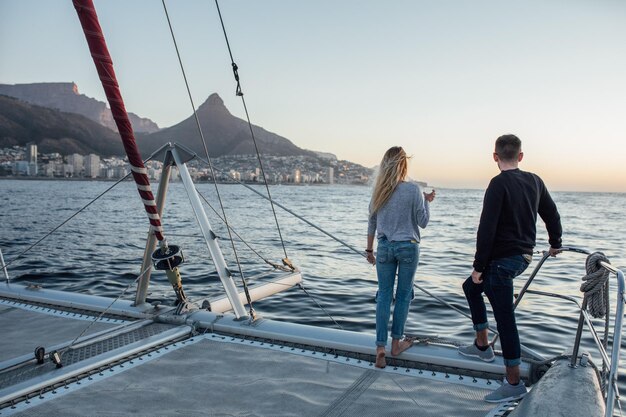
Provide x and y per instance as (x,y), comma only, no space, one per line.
(473,351)
(507,392)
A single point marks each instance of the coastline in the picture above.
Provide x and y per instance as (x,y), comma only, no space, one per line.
(307,184)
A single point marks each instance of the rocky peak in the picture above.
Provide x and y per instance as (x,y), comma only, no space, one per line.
(213,104)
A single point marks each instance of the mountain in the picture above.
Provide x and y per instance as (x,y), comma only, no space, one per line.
(67,133)
(54,131)
(66,98)
(224,133)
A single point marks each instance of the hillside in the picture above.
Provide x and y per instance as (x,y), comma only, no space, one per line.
(66,98)
(66,132)
(54,131)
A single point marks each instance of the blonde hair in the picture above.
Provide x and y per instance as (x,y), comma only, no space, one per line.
(393,169)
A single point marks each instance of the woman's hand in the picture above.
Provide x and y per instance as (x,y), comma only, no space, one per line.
(371,258)
(430,196)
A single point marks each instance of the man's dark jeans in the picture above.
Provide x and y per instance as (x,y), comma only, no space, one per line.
(498,287)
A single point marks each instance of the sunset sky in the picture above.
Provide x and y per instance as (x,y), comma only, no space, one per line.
(441,78)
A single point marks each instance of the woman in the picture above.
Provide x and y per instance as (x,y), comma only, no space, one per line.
(397,210)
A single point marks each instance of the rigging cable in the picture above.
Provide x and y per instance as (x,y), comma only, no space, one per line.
(319,305)
(297,216)
(275,266)
(340,241)
(65,221)
(94,321)
(206,150)
(243,100)
(267,261)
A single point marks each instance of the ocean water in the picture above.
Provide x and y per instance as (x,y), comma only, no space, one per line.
(100,250)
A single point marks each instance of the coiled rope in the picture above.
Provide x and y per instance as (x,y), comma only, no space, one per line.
(596,285)
(596,288)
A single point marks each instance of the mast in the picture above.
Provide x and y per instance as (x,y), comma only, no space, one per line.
(166,258)
(104,65)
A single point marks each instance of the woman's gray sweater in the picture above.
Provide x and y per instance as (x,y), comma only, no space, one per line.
(401,216)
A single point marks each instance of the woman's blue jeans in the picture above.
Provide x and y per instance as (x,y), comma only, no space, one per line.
(401,257)
(498,287)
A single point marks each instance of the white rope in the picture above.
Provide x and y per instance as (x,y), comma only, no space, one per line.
(596,285)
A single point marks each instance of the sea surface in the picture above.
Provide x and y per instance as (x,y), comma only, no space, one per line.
(99,251)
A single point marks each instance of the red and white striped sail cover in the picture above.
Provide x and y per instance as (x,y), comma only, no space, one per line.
(104,64)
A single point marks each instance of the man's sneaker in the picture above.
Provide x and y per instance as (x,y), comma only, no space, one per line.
(473,351)
(507,392)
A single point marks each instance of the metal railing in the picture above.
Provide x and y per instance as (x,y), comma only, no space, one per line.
(612,362)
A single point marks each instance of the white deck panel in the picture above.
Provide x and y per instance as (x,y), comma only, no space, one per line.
(23,330)
(210,377)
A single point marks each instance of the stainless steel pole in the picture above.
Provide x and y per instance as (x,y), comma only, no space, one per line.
(617,343)
(210,238)
(144,281)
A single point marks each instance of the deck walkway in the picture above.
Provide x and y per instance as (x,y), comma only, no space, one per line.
(220,375)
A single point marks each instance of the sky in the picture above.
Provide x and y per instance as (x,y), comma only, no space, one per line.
(443,79)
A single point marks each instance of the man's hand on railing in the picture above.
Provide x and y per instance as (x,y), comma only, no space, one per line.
(554,251)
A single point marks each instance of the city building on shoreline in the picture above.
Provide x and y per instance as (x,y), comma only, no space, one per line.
(298,170)
(31,158)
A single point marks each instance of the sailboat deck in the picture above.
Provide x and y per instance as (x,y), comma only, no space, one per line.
(41,326)
(207,377)
(212,374)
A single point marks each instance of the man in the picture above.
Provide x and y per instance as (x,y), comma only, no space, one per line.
(504,247)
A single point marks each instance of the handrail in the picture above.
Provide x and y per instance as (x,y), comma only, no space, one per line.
(594,333)
(612,393)
(530,279)
(544,257)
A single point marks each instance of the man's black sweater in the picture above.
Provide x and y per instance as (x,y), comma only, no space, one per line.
(509,217)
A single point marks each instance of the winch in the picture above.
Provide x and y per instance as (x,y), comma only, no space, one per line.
(167,258)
